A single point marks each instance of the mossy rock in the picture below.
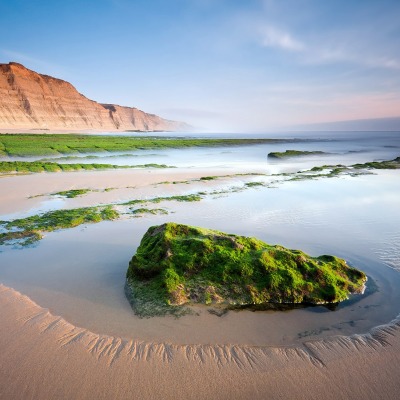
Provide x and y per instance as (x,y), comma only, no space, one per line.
(177,265)
(294,153)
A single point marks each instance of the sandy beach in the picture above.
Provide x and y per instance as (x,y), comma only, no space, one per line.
(43,356)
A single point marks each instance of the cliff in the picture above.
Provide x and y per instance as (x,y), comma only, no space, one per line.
(29,100)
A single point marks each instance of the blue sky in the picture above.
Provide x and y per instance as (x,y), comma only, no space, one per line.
(235,65)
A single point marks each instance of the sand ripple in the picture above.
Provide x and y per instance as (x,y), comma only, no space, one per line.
(45,357)
(242,357)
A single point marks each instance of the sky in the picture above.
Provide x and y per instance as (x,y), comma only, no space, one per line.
(223,65)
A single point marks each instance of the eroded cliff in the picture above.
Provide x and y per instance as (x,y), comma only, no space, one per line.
(29,100)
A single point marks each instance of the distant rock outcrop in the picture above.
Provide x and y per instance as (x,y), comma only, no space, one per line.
(29,100)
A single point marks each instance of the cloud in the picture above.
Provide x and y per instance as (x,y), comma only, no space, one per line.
(272,37)
(370,43)
(326,54)
(326,50)
(389,63)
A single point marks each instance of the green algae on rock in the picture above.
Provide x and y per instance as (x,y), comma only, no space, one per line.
(294,153)
(177,265)
(23,145)
(26,231)
(24,167)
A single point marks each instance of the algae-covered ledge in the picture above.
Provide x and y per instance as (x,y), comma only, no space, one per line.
(178,265)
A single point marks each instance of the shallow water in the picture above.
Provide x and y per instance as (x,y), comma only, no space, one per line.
(80,273)
(345,148)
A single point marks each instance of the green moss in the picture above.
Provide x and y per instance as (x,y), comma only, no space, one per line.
(152,165)
(390,164)
(254,184)
(331,171)
(210,178)
(138,212)
(337,167)
(184,264)
(42,166)
(48,144)
(32,227)
(60,219)
(70,194)
(155,200)
(294,153)
(64,219)
(24,238)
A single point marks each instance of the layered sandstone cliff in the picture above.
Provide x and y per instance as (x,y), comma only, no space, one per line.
(29,100)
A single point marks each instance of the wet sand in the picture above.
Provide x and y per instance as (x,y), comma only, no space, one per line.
(18,191)
(44,357)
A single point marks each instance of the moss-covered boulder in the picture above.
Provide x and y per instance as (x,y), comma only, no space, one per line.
(178,264)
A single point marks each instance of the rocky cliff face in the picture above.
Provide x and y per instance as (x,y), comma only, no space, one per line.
(29,100)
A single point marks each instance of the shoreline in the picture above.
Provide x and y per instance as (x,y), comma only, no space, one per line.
(378,335)
(55,345)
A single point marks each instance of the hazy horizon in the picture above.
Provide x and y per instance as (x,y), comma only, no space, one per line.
(221,65)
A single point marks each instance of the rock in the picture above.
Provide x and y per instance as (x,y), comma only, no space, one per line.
(29,100)
(295,153)
(178,264)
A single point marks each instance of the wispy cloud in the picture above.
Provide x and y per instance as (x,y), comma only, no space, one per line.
(272,37)
(327,56)
(328,49)
(389,63)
